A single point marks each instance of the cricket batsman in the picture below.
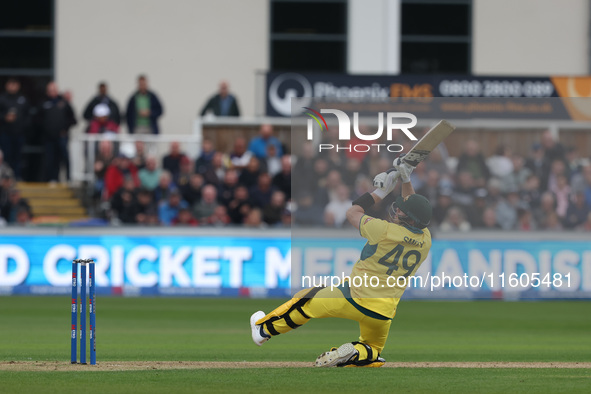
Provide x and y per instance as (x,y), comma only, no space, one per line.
(394,250)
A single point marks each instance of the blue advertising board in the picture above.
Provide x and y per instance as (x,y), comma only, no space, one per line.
(262,266)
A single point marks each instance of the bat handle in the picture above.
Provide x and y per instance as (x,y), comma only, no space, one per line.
(391,170)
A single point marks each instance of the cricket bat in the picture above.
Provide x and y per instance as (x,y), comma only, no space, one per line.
(421,150)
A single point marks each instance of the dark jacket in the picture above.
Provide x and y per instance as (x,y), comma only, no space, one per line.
(115,116)
(155,111)
(55,117)
(214,104)
(18,103)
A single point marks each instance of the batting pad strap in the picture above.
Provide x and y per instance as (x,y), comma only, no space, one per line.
(299,309)
(365,201)
(290,322)
(269,325)
(368,348)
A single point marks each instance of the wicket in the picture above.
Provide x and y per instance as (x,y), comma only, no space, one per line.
(92,310)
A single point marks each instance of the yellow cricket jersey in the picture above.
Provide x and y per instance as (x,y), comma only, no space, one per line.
(391,251)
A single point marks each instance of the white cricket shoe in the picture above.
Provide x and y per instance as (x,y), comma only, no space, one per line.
(258,335)
(333,358)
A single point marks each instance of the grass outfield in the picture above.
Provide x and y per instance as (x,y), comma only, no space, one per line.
(193,329)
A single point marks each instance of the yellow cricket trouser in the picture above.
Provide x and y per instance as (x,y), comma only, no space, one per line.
(322,302)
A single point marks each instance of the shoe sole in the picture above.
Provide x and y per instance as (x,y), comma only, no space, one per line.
(375,364)
(254,330)
(335,357)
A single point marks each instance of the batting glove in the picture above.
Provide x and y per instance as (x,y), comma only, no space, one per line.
(385,182)
(404,169)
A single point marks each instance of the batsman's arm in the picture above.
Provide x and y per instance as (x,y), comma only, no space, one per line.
(357,210)
(407,189)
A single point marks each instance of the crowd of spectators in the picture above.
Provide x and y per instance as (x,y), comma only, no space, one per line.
(251,183)
(548,189)
(215,189)
(47,123)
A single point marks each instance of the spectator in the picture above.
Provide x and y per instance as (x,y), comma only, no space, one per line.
(14,122)
(436,162)
(531,192)
(304,168)
(525,219)
(103,98)
(124,203)
(535,163)
(308,213)
(169,209)
(272,161)
(102,162)
(147,209)
(220,217)
(317,179)
(286,218)
(583,182)
(474,212)
(327,190)
(547,207)
(553,150)
(464,191)
(165,186)
(574,163)
(5,170)
(517,178)
(119,169)
(140,157)
(419,176)
(260,195)
(335,213)
(577,211)
(586,226)
(56,117)
(500,164)
(185,172)
(561,191)
(240,205)
(6,185)
(282,181)
(494,191)
(150,175)
(471,160)
(223,103)
(100,122)
(444,203)
(227,187)
(489,220)
(206,206)
(172,161)
(248,177)
(216,171)
(454,221)
(258,145)
(143,110)
(557,168)
(184,218)
(254,219)
(240,156)
(13,205)
(551,222)
(23,216)
(431,186)
(506,210)
(203,162)
(272,212)
(192,191)
(352,171)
